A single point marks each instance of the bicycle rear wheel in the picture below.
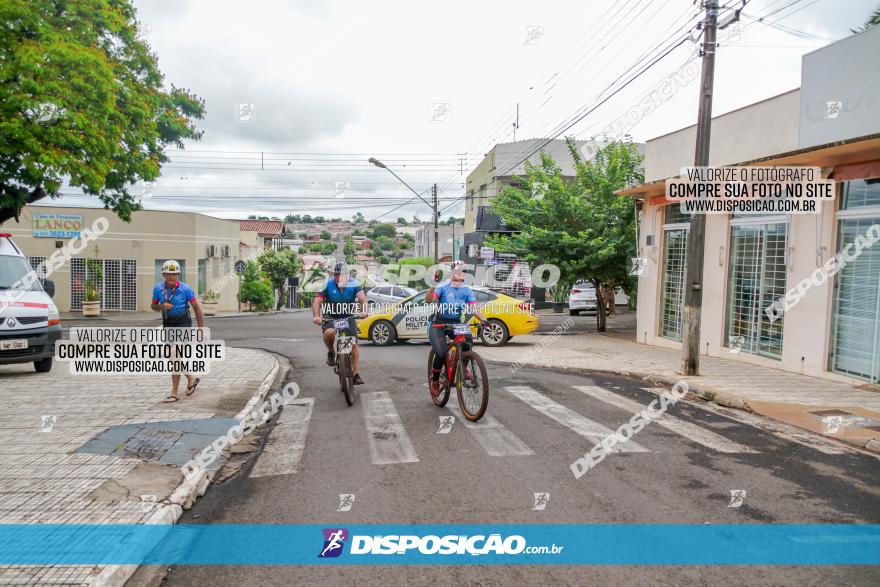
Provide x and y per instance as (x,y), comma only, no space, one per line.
(441,399)
(473,393)
(346,379)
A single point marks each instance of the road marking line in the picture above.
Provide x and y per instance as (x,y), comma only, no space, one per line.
(287,442)
(493,436)
(389,442)
(779,429)
(689,430)
(587,428)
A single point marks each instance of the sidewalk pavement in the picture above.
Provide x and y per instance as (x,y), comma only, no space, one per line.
(837,410)
(78,449)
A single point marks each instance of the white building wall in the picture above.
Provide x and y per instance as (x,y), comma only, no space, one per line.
(758,130)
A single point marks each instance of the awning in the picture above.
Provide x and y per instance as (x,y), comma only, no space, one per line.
(856,158)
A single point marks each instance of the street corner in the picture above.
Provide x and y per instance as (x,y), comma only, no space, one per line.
(850,424)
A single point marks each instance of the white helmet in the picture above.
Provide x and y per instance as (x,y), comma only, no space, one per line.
(170,266)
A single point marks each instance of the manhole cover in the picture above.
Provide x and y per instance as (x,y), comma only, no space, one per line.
(148,444)
(823,413)
(384,435)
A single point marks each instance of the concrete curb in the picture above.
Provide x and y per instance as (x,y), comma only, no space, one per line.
(182,498)
(722,398)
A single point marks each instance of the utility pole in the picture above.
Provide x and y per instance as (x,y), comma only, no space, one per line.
(436,228)
(693,295)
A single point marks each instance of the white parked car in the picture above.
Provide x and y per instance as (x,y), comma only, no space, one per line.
(389,294)
(582,297)
(29,320)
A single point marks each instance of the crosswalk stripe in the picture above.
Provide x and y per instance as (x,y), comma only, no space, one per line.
(389,442)
(587,428)
(689,430)
(783,431)
(287,441)
(493,436)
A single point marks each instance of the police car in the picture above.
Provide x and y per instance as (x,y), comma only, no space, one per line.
(408,319)
(29,320)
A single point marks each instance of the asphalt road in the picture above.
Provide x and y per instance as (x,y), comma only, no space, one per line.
(683,474)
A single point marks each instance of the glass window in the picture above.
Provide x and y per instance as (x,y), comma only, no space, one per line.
(757,278)
(855,337)
(674,272)
(484,296)
(860,193)
(674,215)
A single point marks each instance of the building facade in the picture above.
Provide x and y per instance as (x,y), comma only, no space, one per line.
(130,255)
(751,261)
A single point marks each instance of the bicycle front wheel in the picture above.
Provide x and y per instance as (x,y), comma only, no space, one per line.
(346,379)
(441,399)
(473,391)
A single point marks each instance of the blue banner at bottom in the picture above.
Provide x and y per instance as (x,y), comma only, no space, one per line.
(529,544)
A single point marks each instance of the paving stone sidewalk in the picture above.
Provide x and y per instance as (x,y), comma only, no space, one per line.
(47,417)
(838,410)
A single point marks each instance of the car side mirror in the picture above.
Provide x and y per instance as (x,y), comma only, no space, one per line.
(49,286)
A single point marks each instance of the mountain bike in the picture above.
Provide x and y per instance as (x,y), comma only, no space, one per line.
(465,370)
(343,344)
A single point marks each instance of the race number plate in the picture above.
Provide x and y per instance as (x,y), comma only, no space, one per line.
(345,345)
(9,345)
(461,329)
(340,324)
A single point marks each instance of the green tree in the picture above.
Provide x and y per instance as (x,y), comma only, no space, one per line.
(577,224)
(328,248)
(385,243)
(349,250)
(255,288)
(82,100)
(357,218)
(383,259)
(325,235)
(402,221)
(388,230)
(277,266)
(873,20)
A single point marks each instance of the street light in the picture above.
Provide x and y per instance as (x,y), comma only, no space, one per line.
(433,206)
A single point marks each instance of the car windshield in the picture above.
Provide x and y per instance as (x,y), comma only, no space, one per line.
(12,273)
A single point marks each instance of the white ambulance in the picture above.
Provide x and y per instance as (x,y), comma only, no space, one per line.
(29,320)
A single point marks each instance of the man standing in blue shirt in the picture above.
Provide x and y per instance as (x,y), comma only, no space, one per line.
(173,298)
(455,299)
(342,297)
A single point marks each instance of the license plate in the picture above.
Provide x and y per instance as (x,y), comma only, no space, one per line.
(345,345)
(461,329)
(9,345)
(340,324)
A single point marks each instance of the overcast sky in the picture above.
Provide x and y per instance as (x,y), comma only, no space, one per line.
(429,88)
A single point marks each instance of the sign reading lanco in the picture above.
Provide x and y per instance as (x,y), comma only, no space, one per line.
(57,225)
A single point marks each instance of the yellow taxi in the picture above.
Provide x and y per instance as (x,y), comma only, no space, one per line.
(408,319)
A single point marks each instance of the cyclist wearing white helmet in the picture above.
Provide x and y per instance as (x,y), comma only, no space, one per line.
(341,297)
(173,298)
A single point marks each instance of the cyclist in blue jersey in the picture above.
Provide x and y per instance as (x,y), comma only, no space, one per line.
(454,299)
(342,297)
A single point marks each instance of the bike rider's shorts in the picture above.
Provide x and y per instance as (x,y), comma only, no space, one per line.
(352,329)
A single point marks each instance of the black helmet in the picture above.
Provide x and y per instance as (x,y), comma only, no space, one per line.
(340,267)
